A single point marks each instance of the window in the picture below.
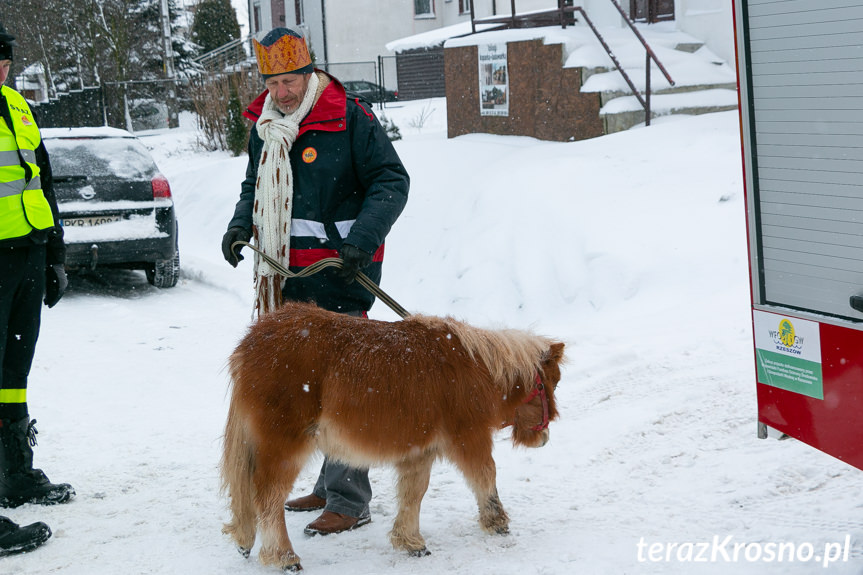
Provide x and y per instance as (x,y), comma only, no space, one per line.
(256,12)
(464,6)
(424,8)
(298,11)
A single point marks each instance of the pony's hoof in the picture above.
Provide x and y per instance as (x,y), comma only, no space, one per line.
(244,552)
(295,568)
(502,530)
(424,552)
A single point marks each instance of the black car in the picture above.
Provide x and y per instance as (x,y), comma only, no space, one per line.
(370,92)
(115,206)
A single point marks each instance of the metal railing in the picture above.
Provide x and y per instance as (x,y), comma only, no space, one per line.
(562,15)
(226,55)
(541,18)
(649,55)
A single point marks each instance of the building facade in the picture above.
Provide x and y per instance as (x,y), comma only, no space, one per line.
(360,33)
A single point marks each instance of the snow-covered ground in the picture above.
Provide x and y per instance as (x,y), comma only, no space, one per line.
(631,248)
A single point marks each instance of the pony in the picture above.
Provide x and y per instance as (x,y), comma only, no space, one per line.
(373,392)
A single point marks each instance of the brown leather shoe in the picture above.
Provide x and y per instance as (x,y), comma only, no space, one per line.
(331,522)
(309,502)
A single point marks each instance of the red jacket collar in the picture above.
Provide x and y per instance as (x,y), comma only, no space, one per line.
(325,114)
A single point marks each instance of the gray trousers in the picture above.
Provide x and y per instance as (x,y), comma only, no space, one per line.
(346,489)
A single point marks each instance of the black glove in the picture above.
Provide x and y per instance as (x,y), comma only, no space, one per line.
(55,284)
(353,260)
(233,257)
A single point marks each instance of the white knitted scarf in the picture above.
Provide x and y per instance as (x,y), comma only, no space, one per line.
(274,193)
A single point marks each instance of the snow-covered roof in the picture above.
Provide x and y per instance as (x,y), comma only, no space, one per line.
(433,38)
(34,69)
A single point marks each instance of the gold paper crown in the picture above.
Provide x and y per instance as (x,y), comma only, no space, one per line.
(287,54)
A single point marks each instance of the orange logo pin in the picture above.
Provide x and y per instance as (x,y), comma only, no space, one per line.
(310,155)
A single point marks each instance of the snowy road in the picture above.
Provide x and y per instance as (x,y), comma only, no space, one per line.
(631,248)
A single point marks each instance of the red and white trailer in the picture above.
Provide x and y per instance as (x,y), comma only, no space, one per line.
(800,78)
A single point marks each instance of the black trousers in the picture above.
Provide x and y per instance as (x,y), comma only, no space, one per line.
(22,288)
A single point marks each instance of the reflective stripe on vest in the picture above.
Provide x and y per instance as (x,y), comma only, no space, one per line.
(23,207)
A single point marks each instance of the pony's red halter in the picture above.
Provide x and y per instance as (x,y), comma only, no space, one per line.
(539,389)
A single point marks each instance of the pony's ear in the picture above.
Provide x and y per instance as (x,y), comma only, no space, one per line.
(555,353)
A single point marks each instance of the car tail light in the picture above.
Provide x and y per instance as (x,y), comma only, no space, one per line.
(161,187)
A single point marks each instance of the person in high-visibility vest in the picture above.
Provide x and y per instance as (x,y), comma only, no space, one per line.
(32,255)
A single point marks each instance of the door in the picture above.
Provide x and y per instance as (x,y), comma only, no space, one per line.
(805,88)
(651,11)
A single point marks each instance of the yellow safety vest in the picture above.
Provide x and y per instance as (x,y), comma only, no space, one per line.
(23,207)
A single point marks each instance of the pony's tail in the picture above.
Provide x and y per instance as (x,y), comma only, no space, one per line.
(237,468)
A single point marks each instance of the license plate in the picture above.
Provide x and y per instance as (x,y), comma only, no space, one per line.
(88,221)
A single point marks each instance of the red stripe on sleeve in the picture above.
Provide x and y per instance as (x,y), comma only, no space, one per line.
(303,258)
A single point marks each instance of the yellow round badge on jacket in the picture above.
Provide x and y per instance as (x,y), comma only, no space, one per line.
(310,155)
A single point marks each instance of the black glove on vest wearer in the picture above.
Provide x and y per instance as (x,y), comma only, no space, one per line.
(353,260)
(233,257)
(55,284)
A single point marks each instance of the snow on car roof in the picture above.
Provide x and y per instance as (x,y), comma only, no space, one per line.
(98,132)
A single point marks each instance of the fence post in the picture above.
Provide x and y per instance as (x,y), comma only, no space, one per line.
(647,91)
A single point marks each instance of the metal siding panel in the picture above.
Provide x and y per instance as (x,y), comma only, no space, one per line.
(841,178)
(816,236)
(808,34)
(812,212)
(813,152)
(818,294)
(811,91)
(812,55)
(772,7)
(824,22)
(804,223)
(810,164)
(812,189)
(833,256)
(821,79)
(801,43)
(814,200)
(844,64)
(809,104)
(846,129)
(853,279)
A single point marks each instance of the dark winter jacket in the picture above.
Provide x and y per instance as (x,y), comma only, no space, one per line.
(349,187)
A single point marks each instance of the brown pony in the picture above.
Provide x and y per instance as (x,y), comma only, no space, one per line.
(370,392)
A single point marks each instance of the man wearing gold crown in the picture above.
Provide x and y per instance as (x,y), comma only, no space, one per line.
(323,180)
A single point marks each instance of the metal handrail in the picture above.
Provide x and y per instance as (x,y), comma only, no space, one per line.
(215,54)
(511,20)
(645,102)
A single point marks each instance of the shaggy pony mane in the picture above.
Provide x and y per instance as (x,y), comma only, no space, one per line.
(509,355)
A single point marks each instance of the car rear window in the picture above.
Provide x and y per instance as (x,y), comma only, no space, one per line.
(123,158)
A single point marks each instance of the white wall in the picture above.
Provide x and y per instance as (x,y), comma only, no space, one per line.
(377,22)
(602,13)
(711,21)
(359,34)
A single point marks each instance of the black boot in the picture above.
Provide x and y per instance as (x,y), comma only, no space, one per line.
(15,539)
(19,482)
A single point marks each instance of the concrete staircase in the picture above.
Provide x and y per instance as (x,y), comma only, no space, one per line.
(703,82)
